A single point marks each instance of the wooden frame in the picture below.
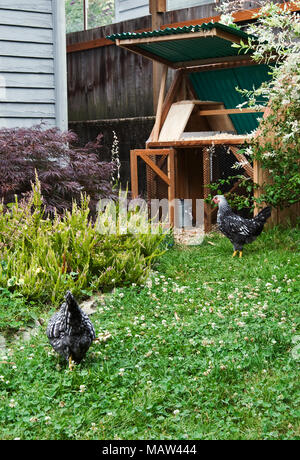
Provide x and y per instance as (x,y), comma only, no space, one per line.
(199,142)
(168,178)
(181,86)
(166,38)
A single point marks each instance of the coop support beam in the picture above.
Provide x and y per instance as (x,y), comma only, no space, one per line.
(134,174)
(157,7)
(255,181)
(168,178)
(157,125)
(206,182)
(155,168)
(171,188)
(169,99)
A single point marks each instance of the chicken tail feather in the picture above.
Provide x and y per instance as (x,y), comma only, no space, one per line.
(263,215)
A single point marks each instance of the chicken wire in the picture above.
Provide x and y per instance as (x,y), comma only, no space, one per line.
(221,166)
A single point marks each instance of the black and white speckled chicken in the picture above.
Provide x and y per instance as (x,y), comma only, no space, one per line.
(70,331)
(239,230)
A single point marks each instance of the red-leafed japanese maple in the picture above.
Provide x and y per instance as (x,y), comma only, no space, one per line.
(65,170)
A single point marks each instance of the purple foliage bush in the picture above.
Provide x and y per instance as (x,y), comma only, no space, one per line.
(65,171)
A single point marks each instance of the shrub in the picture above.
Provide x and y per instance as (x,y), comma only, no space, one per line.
(277,146)
(42,257)
(64,170)
(14,311)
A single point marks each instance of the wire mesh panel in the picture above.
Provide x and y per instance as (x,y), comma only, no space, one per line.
(156,186)
(223,166)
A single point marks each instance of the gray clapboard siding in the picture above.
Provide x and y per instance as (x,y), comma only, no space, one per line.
(32,63)
(26,19)
(29,95)
(129,9)
(20,49)
(15,80)
(21,110)
(26,122)
(25,34)
(26,65)
(44,6)
(180,4)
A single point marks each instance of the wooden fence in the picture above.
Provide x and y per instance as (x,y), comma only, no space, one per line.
(105,81)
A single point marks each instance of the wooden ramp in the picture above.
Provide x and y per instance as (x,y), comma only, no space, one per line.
(195,116)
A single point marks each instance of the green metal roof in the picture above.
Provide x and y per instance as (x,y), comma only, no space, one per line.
(216,43)
(220,85)
(178,30)
(197,48)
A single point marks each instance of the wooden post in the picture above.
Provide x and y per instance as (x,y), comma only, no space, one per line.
(85,14)
(134,174)
(157,7)
(256,192)
(206,181)
(171,188)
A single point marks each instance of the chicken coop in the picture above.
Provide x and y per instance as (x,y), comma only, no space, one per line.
(198,130)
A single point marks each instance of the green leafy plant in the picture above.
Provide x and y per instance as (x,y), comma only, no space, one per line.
(41,257)
(15,312)
(276,145)
(241,199)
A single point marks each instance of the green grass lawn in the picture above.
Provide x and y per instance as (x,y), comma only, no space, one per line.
(205,350)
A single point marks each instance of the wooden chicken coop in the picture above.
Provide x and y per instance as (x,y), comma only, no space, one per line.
(198,129)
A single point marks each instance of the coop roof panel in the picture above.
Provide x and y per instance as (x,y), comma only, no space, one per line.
(184,46)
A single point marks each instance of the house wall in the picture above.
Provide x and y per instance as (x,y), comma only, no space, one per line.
(32,63)
(179,4)
(131,9)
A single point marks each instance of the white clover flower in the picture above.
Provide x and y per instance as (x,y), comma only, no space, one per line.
(12,403)
(241,323)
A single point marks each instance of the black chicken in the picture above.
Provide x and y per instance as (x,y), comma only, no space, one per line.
(70,331)
(239,230)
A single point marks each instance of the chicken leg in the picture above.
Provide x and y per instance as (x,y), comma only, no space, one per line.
(71,363)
